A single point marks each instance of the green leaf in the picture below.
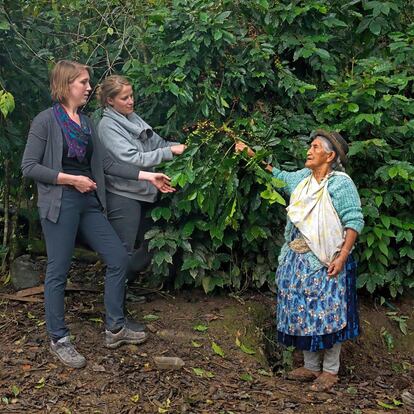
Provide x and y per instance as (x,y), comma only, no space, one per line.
(385,221)
(246,377)
(188,229)
(4,25)
(217,35)
(209,283)
(199,372)
(352,390)
(191,263)
(353,107)
(41,383)
(204,17)
(265,373)
(150,317)
(375,27)
(135,398)
(264,4)
(196,344)
(96,320)
(247,350)
(324,54)
(223,16)
(385,405)
(171,111)
(378,201)
(244,348)
(370,239)
(202,373)
(217,349)
(15,390)
(162,256)
(7,104)
(200,328)
(383,247)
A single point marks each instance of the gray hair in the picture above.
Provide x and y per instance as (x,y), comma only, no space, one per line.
(328,147)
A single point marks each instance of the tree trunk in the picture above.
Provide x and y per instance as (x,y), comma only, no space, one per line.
(14,223)
(6,194)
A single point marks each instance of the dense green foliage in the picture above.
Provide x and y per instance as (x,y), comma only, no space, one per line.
(266,72)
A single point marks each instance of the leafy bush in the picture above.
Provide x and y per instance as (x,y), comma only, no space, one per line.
(268,72)
(275,71)
(219,226)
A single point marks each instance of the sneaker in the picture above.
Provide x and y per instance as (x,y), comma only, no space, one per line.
(136,299)
(124,336)
(67,353)
(134,325)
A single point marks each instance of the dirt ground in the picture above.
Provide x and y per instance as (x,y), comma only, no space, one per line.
(249,376)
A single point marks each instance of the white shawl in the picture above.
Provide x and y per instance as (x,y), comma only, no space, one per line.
(312,212)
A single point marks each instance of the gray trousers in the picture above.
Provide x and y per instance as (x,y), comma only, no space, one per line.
(83,213)
(128,218)
(330,359)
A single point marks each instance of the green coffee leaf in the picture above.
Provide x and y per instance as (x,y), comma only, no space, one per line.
(217,349)
(200,327)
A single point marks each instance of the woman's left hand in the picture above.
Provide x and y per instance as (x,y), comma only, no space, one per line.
(241,146)
(162,182)
(336,266)
(178,149)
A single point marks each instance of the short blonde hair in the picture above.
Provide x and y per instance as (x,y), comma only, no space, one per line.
(62,75)
(110,87)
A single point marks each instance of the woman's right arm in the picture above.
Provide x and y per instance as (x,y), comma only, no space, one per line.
(290,178)
(33,156)
(34,152)
(121,150)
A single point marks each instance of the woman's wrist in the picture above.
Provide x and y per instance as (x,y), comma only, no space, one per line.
(345,252)
(67,179)
(145,175)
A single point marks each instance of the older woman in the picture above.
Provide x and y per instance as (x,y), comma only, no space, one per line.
(316,276)
(63,156)
(130,141)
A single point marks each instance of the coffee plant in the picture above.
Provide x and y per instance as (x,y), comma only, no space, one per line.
(210,72)
(220,230)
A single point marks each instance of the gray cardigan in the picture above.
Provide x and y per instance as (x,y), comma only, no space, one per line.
(130,140)
(42,161)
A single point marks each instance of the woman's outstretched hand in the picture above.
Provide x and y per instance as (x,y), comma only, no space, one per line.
(178,149)
(160,180)
(241,146)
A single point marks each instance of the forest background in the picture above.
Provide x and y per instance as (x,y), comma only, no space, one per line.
(207,73)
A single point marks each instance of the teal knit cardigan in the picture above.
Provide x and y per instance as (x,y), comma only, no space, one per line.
(344,197)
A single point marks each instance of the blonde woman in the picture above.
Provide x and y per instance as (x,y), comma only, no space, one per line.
(129,140)
(64,157)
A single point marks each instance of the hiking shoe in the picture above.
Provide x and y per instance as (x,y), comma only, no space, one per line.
(67,353)
(124,336)
(134,325)
(136,299)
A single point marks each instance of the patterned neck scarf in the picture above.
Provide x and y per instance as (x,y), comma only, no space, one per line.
(76,136)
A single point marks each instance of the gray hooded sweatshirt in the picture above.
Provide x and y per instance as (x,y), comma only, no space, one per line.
(130,140)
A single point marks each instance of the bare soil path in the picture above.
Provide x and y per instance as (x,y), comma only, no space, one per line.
(240,381)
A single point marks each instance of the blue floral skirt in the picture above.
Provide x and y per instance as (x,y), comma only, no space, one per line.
(351,330)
